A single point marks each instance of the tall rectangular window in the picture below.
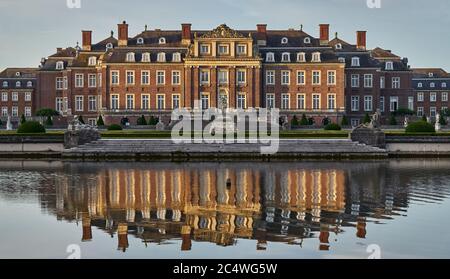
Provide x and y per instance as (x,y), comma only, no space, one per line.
(4,96)
(145,102)
(420,97)
(301,78)
(79,103)
(175,101)
(160,77)
(114,77)
(368,103)
(28,111)
(270,101)
(301,104)
(65,83)
(92,80)
(241,77)
(331,101)
(355,103)
(114,102)
(316,77)
(130,101)
(444,97)
(393,103)
(59,83)
(316,101)
(285,78)
(355,81)
(433,111)
(396,83)
(145,78)
(205,100)
(14,111)
(92,103)
(411,103)
(382,82)
(433,97)
(419,111)
(382,104)
(284,101)
(176,77)
(79,80)
(59,104)
(204,77)
(27,96)
(130,77)
(15,96)
(4,111)
(241,101)
(368,81)
(270,77)
(223,77)
(161,102)
(331,78)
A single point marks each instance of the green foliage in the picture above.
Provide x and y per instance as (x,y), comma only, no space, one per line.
(420,127)
(100,121)
(114,127)
(124,121)
(141,120)
(424,118)
(1,123)
(443,121)
(304,120)
(49,121)
(392,120)
(23,119)
(445,112)
(46,112)
(333,127)
(294,121)
(344,121)
(31,127)
(404,112)
(153,120)
(310,121)
(325,121)
(80,118)
(366,119)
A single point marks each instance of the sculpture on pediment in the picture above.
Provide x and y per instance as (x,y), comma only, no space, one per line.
(223,31)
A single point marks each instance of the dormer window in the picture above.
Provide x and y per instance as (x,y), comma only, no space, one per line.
(341,59)
(29,84)
(18,84)
(355,62)
(176,57)
(419,85)
(316,57)
(5,84)
(92,61)
(17,74)
(338,46)
(286,57)
(109,46)
(161,57)
(145,57)
(162,40)
(432,85)
(284,41)
(270,57)
(444,85)
(140,41)
(389,66)
(430,75)
(130,57)
(59,65)
(307,40)
(301,57)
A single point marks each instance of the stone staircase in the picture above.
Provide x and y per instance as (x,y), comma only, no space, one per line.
(165,149)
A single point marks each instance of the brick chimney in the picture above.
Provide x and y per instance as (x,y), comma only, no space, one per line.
(86,40)
(186,33)
(123,33)
(324,34)
(361,42)
(261,34)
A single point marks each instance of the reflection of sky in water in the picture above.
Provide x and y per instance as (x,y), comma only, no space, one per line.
(198,210)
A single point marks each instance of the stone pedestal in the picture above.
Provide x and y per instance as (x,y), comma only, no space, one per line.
(369,136)
(76,138)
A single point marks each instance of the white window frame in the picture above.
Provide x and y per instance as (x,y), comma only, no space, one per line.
(161,57)
(354,105)
(15,96)
(270,57)
(27,96)
(392,101)
(59,83)
(158,100)
(270,100)
(331,77)
(92,103)
(176,77)
(204,76)
(176,101)
(354,80)
(420,97)
(145,77)
(396,83)
(27,111)
(130,77)
(301,101)
(316,98)
(285,77)
(92,80)
(270,77)
(145,101)
(285,57)
(313,76)
(433,97)
(114,75)
(130,103)
(331,99)
(444,96)
(5,96)
(356,62)
(79,99)
(411,103)
(79,82)
(285,101)
(241,76)
(115,98)
(368,103)
(160,77)
(241,101)
(368,80)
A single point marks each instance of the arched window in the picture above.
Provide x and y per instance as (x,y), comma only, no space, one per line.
(444,85)
(270,57)
(338,46)
(92,61)
(145,57)
(17,74)
(355,62)
(140,41)
(30,84)
(161,57)
(18,84)
(307,40)
(5,84)
(284,41)
(420,85)
(162,40)
(301,57)
(130,57)
(109,46)
(316,57)
(176,57)
(286,57)
(59,65)
(389,65)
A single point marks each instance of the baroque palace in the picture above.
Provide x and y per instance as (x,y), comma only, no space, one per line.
(157,71)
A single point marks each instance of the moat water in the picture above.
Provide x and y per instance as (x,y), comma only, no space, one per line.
(357,209)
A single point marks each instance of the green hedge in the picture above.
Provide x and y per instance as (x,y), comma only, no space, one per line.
(420,127)
(31,127)
(333,127)
(114,127)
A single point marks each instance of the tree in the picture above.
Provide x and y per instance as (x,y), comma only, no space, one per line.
(424,118)
(141,120)
(311,121)
(23,119)
(442,120)
(304,120)
(366,119)
(344,121)
(392,120)
(46,112)
(100,121)
(325,121)
(80,118)
(153,120)
(294,121)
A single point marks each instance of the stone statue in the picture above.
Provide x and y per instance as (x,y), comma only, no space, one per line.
(160,126)
(9,124)
(428,119)
(375,121)
(406,122)
(437,125)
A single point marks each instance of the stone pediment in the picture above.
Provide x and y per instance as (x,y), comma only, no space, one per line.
(222,31)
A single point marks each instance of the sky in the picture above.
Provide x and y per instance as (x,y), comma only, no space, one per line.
(419,30)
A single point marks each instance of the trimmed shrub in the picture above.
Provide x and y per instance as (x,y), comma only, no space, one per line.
(31,127)
(333,127)
(310,121)
(366,119)
(153,120)
(304,120)
(45,112)
(325,121)
(344,121)
(424,118)
(420,127)
(141,120)
(404,112)
(100,121)
(124,121)
(49,121)
(22,119)
(443,121)
(294,121)
(115,127)
(392,120)
(80,118)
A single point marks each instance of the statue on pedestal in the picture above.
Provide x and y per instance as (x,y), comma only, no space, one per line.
(406,122)
(375,121)
(9,124)
(437,125)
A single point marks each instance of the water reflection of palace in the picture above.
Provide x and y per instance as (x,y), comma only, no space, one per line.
(222,203)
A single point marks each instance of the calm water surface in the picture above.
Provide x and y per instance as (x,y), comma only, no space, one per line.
(228,210)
